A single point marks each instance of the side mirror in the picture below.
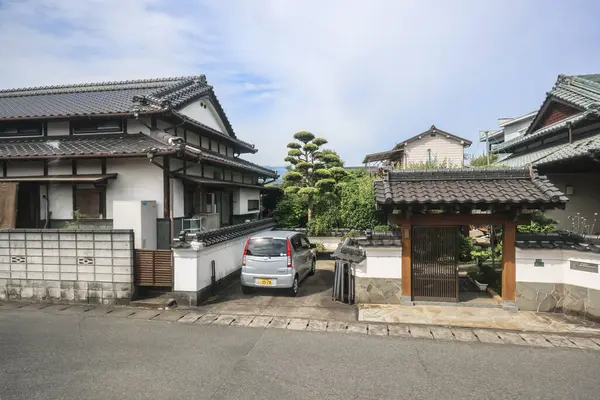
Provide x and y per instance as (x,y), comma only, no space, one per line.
(313,245)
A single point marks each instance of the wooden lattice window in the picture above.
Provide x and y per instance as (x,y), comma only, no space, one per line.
(87,202)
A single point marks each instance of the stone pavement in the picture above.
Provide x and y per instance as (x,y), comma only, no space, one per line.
(189,317)
(474,317)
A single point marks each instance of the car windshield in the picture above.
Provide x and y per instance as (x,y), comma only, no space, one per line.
(267,247)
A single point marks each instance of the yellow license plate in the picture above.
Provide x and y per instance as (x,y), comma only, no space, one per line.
(265,282)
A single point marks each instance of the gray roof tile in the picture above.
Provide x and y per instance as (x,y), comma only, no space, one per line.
(467,186)
(146,96)
(235,162)
(94,145)
(556,153)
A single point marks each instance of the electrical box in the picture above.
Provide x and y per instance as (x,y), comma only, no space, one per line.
(139,215)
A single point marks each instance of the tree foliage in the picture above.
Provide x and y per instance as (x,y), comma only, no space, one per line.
(311,173)
(482,161)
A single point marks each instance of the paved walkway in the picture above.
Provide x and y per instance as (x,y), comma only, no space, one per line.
(302,324)
(474,317)
(312,302)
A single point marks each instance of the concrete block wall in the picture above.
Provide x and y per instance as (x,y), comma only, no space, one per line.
(85,266)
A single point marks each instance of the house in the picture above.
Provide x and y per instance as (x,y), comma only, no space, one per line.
(83,147)
(508,129)
(563,142)
(434,146)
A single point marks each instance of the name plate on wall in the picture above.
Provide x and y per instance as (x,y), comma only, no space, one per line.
(538,263)
(583,266)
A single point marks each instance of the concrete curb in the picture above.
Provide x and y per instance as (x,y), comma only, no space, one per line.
(195,310)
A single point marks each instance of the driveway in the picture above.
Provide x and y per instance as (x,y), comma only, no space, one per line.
(313,300)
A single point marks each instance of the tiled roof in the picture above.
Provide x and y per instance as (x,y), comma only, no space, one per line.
(510,186)
(557,126)
(144,96)
(556,153)
(90,145)
(92,98)
(580,91)
(231,161)
(558,241)
(227,233)
(434,129)
(383,156)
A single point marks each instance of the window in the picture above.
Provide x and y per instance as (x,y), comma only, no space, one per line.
(253,205)
(305,243)
(267,247)
(209,203)
(84,126)
(21,128)
(87,202)
(296,243)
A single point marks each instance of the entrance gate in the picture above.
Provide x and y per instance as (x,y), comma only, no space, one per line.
(434,268)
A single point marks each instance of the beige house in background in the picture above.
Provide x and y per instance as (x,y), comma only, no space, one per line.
(432,146)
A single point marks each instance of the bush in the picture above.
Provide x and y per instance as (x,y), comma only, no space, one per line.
(291,211)
(381,228)
(540,223)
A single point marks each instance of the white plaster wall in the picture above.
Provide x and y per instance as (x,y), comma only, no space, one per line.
(205,142)
(85,167)
(230,151)
(25,168)
(208,116)
(60,167)
(178,194)
(58,128)
(240,200)
(192,138)
(61,200)
(551,272)
(441,147)
(581,278)
(136,125)
(557,267)
(227,257)
(512,131)
(137,179)
(384,262)
(585,200)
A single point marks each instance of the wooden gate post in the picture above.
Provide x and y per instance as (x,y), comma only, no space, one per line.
(509,267)
(406,260)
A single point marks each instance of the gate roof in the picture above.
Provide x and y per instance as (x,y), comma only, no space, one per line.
(473,187)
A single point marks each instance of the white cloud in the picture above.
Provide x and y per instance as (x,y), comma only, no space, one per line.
(364,75)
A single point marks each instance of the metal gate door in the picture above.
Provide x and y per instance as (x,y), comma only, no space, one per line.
(434,266)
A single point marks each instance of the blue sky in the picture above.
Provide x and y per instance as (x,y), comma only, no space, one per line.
(364,75)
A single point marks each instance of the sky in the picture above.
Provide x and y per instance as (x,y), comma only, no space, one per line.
(364,75)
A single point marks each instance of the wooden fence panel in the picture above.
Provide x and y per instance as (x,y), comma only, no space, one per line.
(154,268)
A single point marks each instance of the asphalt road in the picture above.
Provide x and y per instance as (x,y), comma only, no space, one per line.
(49,356)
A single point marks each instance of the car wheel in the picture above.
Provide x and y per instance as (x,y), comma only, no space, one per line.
(293,291)
(313,268)
(246,289)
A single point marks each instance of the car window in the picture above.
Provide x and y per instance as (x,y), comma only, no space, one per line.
(267,247)
(305,242)
(296,244)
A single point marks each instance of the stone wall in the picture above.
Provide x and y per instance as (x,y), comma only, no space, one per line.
(559,297)
(378,290)
(556,280)
(86,266)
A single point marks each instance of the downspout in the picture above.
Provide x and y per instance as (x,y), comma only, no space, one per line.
(46,197)
(570,126)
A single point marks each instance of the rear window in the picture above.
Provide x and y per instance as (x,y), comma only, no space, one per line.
(267,247)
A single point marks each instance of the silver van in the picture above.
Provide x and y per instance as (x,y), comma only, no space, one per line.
(277,259)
